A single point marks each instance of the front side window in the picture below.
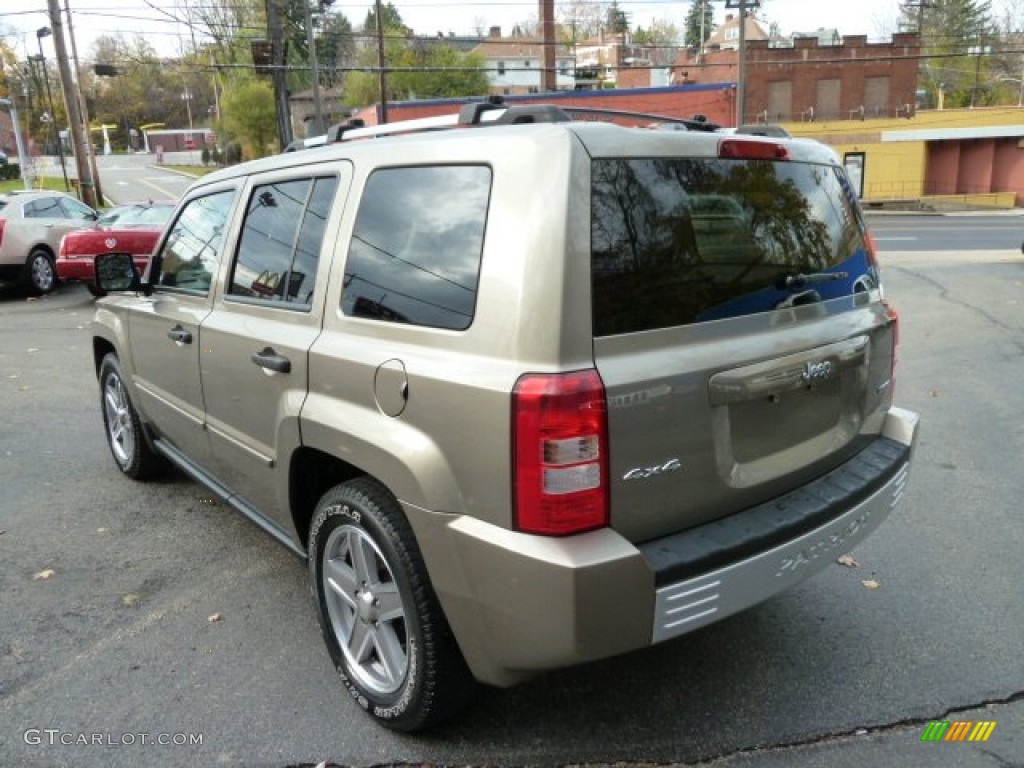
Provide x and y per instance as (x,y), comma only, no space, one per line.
(684,240)
(279,249)
(191,252)
(76,210)
(416,246)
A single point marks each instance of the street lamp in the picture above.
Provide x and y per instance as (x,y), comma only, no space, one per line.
(54,130)
(23,162)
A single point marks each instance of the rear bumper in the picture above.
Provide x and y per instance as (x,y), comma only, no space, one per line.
(84,267)
(519,603)
(75,269)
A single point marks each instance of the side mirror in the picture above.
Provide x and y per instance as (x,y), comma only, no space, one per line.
(117,272)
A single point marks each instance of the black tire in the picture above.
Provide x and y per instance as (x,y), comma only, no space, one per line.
(378,613)
(40,275)
(95,290)
(125,437)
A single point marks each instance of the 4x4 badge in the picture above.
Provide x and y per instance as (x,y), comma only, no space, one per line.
(643,473)
(818,371)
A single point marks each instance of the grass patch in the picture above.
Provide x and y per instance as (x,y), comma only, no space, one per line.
(52,183)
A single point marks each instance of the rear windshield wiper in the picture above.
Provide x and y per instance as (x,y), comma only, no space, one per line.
(799,279)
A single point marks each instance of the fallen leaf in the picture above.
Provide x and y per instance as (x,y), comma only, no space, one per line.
(130,600)
(848,561)
(934,392)
(44,574)
(2,532)
(870,584)
(214,617)
(24,389)
(32,298)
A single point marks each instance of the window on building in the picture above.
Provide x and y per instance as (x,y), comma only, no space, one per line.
(876,96)
(501,67)
(416,246)
(828,99)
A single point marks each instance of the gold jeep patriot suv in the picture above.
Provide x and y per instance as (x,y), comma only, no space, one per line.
(525,391)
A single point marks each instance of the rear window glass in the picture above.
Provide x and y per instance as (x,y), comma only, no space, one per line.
(685,240)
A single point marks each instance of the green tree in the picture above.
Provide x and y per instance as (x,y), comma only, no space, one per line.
(335,48)
(248,114)
(389,14)
(699,10)
(616,19)
(661,40)
(958,39)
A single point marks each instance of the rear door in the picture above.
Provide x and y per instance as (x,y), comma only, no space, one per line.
(257,338)
(738,330)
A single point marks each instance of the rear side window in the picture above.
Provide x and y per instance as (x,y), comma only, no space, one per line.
(677,241)
(416,246)
(279,249)
(44,208)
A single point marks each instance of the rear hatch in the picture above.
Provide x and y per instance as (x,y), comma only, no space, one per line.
(738,329)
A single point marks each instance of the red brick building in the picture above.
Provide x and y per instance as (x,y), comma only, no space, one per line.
(810,81)
(716,101)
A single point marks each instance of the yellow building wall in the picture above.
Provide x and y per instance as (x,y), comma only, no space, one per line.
(897,169)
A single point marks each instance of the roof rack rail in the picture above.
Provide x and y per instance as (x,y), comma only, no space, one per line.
(495,111)
(695,123)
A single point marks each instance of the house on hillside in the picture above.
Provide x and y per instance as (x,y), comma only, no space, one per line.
(515,65)
(726,36)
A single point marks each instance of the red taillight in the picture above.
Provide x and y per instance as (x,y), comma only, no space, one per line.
(872,249)
(560,450)
(894,321)
(749,149)
(2,222)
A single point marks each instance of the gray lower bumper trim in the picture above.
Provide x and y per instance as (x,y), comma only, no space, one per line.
(692,603)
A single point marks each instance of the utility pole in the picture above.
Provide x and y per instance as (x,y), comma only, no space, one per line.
(85,179)
(54,128)
(381,77)
(277,73)
(84,107)
(311,43)
(547,32)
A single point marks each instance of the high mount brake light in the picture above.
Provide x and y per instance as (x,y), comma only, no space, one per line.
(749,149)
(560,453)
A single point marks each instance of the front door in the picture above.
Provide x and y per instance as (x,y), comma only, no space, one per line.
(164,327)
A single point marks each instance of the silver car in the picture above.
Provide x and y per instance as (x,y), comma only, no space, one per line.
(31,227)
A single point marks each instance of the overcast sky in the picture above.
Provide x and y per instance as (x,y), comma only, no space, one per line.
(875,18)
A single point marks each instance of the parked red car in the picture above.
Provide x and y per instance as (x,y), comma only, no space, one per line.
(130,229)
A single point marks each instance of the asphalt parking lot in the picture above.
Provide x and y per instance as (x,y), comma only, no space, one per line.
(133,609)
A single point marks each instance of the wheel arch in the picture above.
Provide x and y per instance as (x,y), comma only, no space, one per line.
(311,473)
(101,347)
(40,246)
